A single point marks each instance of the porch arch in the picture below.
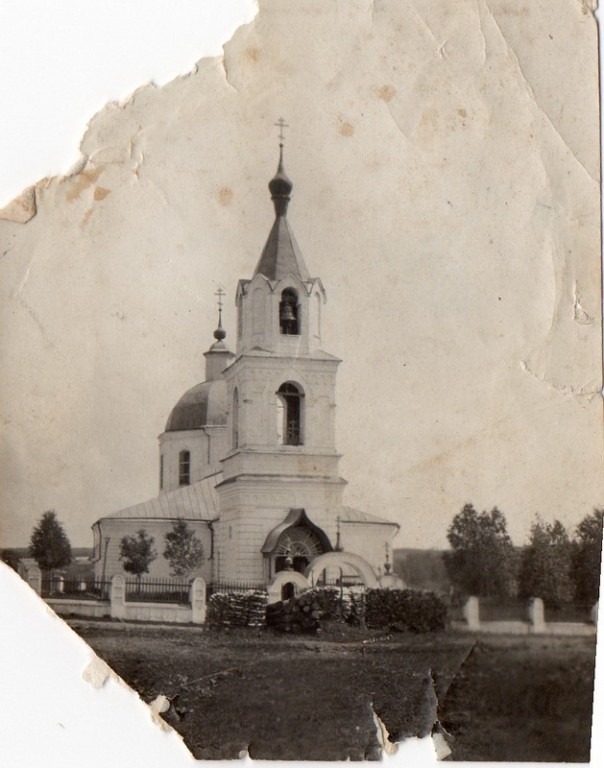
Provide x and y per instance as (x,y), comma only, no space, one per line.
(339,559)
(282,579)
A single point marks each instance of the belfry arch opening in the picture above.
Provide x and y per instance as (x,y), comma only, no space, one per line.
(289,414)
(289,313)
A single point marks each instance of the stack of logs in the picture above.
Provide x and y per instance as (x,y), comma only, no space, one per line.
(237,609)
(298,614)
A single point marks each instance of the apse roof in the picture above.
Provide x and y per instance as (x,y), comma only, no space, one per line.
(350,515)
(198,501)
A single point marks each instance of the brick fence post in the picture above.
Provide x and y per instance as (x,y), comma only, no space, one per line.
(34,579)
(117,597)
(471,612)
(197,596)
(536,615)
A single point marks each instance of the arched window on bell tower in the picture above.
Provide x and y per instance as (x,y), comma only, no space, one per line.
(289,414)
(289,313)
(235,415)
(184,468)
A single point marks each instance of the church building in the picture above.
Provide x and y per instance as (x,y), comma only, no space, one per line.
(248,457)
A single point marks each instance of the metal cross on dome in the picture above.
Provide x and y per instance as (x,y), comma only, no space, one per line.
(281,124)
(220,293)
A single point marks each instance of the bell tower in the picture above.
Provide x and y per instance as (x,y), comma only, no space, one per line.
(281,452)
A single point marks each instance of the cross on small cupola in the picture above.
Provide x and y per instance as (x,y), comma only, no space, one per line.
(219,333)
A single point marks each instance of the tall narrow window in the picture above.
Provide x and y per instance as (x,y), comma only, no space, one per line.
(289,315)
(235,435)
(290,412)
(184,468)
(161,472)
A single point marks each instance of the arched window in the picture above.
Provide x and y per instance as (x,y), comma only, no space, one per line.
(184,468)
(289,315)
(289,413)
(235,415)
(161,472)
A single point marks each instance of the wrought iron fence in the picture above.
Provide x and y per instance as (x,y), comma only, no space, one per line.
(574,612)
(58,587)
(233,586)
(509,610)
(157,591)
(351,580)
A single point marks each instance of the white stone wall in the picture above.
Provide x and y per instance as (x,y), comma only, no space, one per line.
(207,447)
(257,379)
(368,540)
(115,529)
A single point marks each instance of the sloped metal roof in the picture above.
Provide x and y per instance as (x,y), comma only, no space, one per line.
(198,501)
(281,255)
(204,404)
(350,515)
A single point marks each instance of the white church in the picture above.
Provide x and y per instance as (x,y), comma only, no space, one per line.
(248,457)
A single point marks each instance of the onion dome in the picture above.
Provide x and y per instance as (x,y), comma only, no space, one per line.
(280,187)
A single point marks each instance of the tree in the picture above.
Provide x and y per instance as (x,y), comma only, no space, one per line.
(49,545)
(587,556)
(184,550)
(545,568)
(483,560)
(137,553)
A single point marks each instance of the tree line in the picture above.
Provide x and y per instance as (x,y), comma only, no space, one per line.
(556,566)
(50,547)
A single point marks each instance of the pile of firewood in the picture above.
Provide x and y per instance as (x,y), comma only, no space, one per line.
(298,614)
(237,609)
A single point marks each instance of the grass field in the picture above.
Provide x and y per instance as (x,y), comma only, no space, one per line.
(314,698)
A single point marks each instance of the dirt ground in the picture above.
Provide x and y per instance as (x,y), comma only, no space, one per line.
(314,698)
(522,699)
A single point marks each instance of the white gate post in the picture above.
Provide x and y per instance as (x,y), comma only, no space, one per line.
(34,579)
(536,615)
(198,600)
(117,597)
(471,612)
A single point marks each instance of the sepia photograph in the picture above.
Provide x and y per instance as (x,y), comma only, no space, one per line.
(302,417)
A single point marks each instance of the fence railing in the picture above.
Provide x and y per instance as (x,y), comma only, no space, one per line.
(157,591)
(569,612)
(233,586)
(70,589)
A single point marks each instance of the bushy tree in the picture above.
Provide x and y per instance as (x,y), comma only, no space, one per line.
(184,550)
(546,564)
(483,560)
(49,545)
(137,553)
(587,556)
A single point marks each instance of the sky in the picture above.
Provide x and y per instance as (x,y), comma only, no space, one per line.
(458,249)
